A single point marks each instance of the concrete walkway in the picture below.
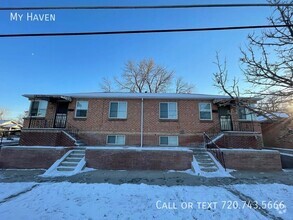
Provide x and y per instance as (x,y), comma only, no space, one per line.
(150,177)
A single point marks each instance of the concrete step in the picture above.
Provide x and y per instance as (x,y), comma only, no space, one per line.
(204,160)
(78,151)
(208,165)
(69,164)
(61,168)
(76,155)
(201,155)
(209,169)
(72,159)
(204,157)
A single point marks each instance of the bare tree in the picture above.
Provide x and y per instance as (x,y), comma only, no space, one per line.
(19,118)
(106,85)
(183,87)
(267,64)
(146,76)
(3,113)
(268,59)
(232,90)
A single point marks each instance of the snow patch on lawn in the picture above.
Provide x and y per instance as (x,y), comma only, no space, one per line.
(273,193)
(127,201)
(9,189)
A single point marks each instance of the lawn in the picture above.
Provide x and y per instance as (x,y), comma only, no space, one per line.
(129,201)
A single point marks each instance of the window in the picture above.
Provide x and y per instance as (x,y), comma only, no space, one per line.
(118,110)
(246,114)
(116,139)
(81,109)
(168,110)
(205,111)
(169,140)
(38,108)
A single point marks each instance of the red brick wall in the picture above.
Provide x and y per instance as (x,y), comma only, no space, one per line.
(138,160)
(44,137)
(97,125)
(29,157)
(259,160)
(278,134)
(240,140)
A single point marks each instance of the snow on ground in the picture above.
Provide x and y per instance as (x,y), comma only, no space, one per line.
(9,189)
(127,201)
(5,140)
(268,194)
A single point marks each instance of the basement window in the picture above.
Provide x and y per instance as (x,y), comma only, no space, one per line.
(168,140)
(81,109)
(118,110)
(168,110)
(38,108)
(116,139)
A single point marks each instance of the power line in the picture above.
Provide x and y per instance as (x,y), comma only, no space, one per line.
(145,7)
(143,31)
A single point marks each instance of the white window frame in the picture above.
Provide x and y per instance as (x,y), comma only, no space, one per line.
(87,109)
(116,135)
(211,111)
(249,115)
(176,104)
(38,116)
(118,110)
(168,136)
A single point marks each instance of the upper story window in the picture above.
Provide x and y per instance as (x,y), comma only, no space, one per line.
(168,110)
(205,111)
(38,108)
(81,109)
(246,113)
(118,110)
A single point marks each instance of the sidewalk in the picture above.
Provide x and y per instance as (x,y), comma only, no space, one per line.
(150,177)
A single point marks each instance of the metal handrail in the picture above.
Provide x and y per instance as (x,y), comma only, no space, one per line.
(212,147)
(71,129)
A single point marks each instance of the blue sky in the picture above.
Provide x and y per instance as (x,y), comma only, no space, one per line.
(78,63)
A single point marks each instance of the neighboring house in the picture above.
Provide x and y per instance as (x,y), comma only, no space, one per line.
(277,130)
(10,126)
(136,119)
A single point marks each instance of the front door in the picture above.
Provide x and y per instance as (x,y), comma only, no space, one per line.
(225,118)
(61,115)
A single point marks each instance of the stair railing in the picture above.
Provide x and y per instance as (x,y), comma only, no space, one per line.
(213,148)
(72,129)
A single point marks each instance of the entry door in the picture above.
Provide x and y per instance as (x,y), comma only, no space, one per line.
(61,115)
(225,118)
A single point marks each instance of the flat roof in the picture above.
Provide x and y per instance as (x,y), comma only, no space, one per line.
(128,95)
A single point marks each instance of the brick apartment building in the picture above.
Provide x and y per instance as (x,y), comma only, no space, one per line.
(138,119)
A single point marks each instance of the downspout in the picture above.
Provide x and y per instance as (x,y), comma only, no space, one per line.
(141,123)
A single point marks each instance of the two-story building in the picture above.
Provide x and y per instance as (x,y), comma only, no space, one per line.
(136,119)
